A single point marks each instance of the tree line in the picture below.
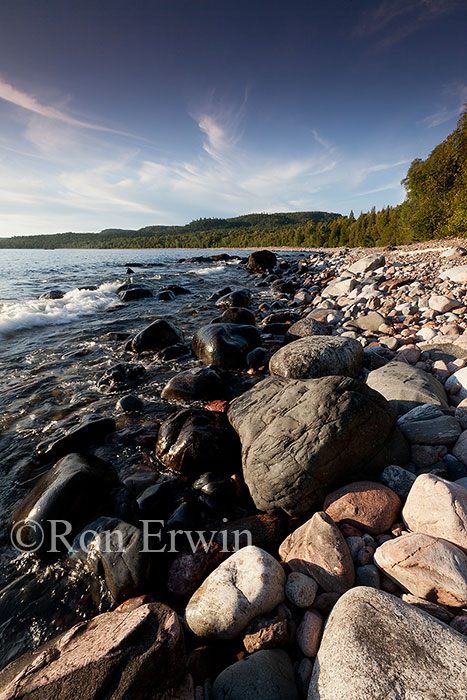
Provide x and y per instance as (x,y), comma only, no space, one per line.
(435,207)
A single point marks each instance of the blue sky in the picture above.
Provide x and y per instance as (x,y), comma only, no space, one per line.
(125,113)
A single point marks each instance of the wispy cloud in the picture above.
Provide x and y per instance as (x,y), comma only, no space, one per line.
(455,94)
(22,99)
(392,21)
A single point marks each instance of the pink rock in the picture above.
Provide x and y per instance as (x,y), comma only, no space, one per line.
(441,370)
(437,507)
(131,654)
(309,633)
(318,549)
(367,505)
(427,567)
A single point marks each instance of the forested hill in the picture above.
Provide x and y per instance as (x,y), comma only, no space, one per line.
(435,207)
(239,232)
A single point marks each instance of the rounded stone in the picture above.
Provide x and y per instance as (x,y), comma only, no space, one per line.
(367,505)
(309,633)
(247,584)
(318,356)
(300,589)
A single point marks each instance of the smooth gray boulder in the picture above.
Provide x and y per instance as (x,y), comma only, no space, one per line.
(301,438)
(369,262)
(318,356)
(305,328)
(406,387)
(376,647)
(264,675)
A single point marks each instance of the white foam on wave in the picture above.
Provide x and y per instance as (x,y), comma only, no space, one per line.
(44,312)
(207,270)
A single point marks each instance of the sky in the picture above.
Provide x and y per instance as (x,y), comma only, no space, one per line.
(129,113)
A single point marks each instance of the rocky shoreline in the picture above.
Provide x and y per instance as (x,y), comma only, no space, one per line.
(318,444)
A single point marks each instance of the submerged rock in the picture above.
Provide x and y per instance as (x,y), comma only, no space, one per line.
(156,336)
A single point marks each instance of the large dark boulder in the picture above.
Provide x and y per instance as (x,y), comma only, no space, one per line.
(194,441)
(130,654)
(225,344)
(196,384)
(307,327)
(156,336)
(261,261)
(318,356)
(300,439)
(76,489)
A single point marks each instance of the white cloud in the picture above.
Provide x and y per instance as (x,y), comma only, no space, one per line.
(21,99)
(455,94)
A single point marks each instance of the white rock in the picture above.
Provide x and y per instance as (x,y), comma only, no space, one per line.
(426,333)
(457,383)
(437,507)
(249,583)
(456,274)
(369,262)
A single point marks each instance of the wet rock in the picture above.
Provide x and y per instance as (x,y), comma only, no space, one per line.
(376,646)
(129,404)
(115,549)
(249,583)
(132,292)
(301,589)
(196,384)
(318,356)
(245,680)
(257,358)
(239,297)
(236,314)
(120,377)
(89,431)
(309,633)
(156,336)
(368,263)
(76,489)
(261,261)
(53,294)
(193,441)
(165,295)
(427,567)
(367,505)
(300,437)
(132,654)
(437,507)
(225,344)
(406,387)
(173,352)
(318,549)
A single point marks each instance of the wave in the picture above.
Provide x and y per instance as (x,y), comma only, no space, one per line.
(207,270)
(44,312)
